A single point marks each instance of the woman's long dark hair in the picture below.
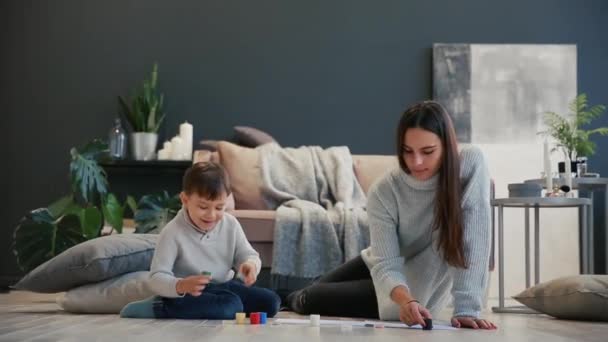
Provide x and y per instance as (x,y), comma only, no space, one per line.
(432,117)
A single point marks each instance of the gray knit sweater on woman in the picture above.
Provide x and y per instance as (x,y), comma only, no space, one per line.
(403,249)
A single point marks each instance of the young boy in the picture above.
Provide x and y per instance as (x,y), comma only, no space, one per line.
(196,253)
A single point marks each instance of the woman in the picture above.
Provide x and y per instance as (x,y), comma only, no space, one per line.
(430,234)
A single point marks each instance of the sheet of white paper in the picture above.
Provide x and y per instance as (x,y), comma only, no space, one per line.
(300,321)
(405,326)
(328,322)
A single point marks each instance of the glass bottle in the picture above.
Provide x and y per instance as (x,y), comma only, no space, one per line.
(117,141)
(581,167)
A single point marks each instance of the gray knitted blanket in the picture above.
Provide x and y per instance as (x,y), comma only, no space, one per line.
(321,219)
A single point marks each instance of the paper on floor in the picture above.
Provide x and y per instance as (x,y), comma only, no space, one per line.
(328,322)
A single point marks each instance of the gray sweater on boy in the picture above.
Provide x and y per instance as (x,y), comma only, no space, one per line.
(183,250)
(403,247)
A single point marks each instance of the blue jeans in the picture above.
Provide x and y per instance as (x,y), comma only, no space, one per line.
(219,301)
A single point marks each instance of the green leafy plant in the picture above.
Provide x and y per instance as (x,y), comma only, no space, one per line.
(46,232)
(145,114)
(155,211)
(568,130)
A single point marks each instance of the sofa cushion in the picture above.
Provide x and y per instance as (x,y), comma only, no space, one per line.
(208,145)
(92,261)
(243,166)
(205,155)
(369,168)
(251,137)
(580,297)
(108,296)
(258,226)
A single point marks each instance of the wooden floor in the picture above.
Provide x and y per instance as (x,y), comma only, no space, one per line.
(26,316)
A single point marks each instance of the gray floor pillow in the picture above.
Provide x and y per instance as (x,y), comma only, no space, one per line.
(92,261)
(581,297)
(108,296)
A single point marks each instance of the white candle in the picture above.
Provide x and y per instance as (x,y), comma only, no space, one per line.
(568,172)
(167,147)
(547,167)
(177,148)
(186,133)
(163,154)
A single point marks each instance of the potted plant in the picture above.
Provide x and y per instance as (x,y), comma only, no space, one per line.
(46,232)
(568,130)
(144,116)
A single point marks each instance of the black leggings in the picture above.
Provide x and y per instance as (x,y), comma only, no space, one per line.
(345,291)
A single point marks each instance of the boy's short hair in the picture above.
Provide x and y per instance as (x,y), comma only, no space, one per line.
(207,179)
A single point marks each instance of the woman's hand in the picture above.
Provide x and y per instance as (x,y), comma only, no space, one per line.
(413,313)
(193,285)
(473,323)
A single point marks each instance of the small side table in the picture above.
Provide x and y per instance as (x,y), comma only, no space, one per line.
(583,204)
(595,189)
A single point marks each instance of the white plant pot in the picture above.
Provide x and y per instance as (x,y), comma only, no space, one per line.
(143,145)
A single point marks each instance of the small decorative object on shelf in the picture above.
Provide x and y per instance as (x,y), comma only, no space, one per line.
(180,146)
(185,132)
(561,191)
(581,167)
(566,189)
(118,141)
(177,148)
(547,166)
(568,173)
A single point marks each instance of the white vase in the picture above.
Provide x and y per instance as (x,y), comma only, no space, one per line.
(143,145)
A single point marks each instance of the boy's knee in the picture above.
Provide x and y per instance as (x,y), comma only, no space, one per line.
(231,306)
(272,302)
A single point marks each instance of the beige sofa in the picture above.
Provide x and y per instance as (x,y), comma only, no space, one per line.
(249,208)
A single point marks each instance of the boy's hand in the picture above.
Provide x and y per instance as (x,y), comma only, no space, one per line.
(193,285)
(248,270)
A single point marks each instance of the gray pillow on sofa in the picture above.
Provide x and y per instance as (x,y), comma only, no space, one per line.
(581,297)
(92,261)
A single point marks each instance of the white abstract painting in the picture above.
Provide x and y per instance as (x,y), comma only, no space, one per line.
(496,93)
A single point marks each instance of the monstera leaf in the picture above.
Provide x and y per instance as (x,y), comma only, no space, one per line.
(113,212)
(45,233)
(155,211)
(88,178)
(63,206)
(40,236)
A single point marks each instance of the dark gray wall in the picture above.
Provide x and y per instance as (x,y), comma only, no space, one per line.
(4,115)
(309,72)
